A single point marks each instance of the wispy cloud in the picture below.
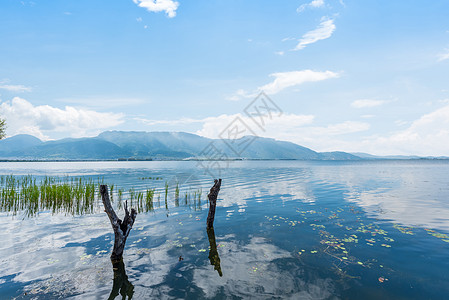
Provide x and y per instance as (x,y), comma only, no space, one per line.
(346,127)
(365,103)
(44,120)
(18,88)
(322,32)
(312,4)
(181,121)
(443,56)
(239,94)
(428,135)
(212,127)
(283,80)
(168,6)
(96,102)
(288,39)
(294,128)
(289,79)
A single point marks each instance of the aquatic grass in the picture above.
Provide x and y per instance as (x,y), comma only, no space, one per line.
(132,195)
(120,198)
(198,203)
(177,195)
(166,195)
(149,199)
(79,195)
(150,178)
(111,193)
(74,196)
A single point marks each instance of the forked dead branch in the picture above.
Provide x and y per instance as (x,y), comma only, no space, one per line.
(121,228)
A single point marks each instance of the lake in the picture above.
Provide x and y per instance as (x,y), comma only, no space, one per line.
(283,230)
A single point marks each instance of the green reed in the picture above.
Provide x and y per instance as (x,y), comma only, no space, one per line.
(177,195)
(166,195)
(79,195)
(74,196)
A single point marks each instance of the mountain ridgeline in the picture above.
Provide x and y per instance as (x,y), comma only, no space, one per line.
(113,145)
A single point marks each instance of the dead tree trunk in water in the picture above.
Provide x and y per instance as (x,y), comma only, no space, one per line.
(121,228)
(213,194)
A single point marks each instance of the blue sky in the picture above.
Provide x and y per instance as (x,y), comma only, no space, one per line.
(358,76)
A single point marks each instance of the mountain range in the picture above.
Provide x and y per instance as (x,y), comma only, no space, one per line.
(132,145)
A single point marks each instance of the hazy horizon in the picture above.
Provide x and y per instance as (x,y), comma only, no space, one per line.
(362,155)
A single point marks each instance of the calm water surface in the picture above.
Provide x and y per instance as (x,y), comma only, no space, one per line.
(283,230)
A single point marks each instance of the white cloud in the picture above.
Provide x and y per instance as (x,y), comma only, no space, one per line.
(44,120)
(18,88)
(443,56)
(285,80)
(293,128)
(168,6)
(332,137)
(346,127)
(429,135)
(96,102)
(323,31)
(280,53)
(312,4)
(239,94)
(317,3)
(288,39)
(365,103)
(367,116)
(426,136)
(213,126)
(182,121)
(400,122)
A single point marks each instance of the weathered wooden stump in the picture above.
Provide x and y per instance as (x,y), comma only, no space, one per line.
(121,228)
(213,194)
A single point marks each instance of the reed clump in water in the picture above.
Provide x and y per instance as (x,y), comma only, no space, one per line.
(74,196)
(80,195)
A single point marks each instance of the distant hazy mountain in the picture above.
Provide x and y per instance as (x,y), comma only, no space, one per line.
(370,156)
(338,155)
(86,148)
(18,142)
(30,147)
(156,145)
